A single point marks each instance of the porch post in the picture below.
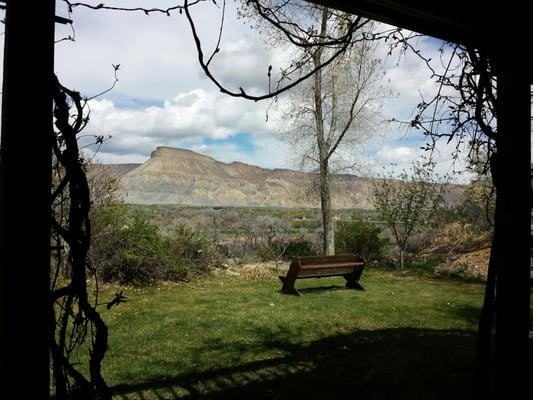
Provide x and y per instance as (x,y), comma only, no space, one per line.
(513,265)
(25,182)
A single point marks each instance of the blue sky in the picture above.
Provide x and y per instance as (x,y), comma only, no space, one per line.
(163,98)
(242,141)
(134,103)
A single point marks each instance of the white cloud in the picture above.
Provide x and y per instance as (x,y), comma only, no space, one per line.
(185,119)
(396,155)
(410,79)
(163,98)
(157,54)
(153,53)
(244,63)
(111,158)
(268,153)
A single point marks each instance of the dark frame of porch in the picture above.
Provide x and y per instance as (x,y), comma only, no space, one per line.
(25,171)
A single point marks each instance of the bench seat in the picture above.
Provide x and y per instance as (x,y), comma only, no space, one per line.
(347,265)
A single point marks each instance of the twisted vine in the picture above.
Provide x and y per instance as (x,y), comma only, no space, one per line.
(74,317)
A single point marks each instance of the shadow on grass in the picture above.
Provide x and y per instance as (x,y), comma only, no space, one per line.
(402,363)
(322,288)
(469,314)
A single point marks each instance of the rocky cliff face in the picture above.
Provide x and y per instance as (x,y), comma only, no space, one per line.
(178,176)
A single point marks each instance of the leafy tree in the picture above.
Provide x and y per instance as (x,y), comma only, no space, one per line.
(407,201)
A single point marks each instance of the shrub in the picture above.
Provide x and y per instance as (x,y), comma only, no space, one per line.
(281,250)
(137,254)
(359,237)
(270,250)
(297,214)
(106,223)
(299,248)
(458,238)
(477,205)
(193,248)
(302,224)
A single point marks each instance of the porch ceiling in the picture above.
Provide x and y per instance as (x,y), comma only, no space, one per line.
(492,26)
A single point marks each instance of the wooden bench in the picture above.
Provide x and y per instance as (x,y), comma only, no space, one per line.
(347,265)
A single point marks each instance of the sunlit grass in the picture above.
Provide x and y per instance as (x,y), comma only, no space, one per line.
(229,337)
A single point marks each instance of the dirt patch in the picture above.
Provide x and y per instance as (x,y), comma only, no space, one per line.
(472,265)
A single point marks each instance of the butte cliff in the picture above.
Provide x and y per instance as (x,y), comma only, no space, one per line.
(178,176)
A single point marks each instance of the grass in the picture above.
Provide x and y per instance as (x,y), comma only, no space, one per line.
(406,337)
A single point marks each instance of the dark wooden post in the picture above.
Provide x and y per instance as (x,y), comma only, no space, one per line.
(513,253)
(25,178)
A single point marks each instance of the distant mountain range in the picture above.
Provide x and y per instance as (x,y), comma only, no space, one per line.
(179,176)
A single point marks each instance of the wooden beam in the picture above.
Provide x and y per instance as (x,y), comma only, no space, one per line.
(25,182)
(469,23)
(513,185)
(450,20)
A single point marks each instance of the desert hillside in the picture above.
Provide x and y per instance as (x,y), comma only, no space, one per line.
(178,176)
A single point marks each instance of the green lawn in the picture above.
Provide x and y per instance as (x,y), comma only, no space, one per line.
(405,337)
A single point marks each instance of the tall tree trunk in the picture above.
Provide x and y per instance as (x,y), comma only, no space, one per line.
(327,215)
(323,150)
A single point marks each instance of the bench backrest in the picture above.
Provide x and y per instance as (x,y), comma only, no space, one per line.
(313,266)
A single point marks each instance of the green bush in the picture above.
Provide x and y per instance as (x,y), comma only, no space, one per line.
(106,223)
(299,248)
(137,254)
(477,205)
(297,214)
(279,250)
(359,237)
(194,249)
(304,224)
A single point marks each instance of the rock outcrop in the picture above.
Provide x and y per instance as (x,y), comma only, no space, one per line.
(178,176)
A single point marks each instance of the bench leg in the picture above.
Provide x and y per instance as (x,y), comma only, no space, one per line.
(288,286)
(352,284)
(352,280)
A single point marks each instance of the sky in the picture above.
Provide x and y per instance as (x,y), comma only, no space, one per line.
(163,98)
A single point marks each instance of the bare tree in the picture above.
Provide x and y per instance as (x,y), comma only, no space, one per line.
(334,113)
